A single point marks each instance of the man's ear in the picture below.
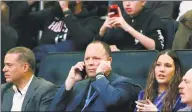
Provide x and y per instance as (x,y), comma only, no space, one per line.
(110,59)
(25,67)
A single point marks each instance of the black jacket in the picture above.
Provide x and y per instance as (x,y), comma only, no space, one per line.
(9,39)
(159,7)
(80,28)
(146,23)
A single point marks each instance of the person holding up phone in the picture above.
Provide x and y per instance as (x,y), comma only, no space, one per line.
(137,28)
(101,90)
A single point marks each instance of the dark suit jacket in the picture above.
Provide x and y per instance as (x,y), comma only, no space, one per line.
(113,93)
(38,97)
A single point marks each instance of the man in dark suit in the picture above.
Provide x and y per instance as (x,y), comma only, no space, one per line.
(23,91)
(92,86)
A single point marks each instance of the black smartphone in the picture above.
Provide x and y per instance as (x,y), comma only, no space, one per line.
(83,73)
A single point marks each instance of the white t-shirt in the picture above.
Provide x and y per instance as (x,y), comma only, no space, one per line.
(184,7)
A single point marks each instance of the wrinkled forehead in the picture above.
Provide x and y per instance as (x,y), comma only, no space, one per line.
(95,49)
(188,75)
(12,55)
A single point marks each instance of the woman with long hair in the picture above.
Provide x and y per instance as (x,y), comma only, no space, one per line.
(161,92)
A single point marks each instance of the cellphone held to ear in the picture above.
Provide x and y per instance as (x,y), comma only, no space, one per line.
(83,73)
(114,8)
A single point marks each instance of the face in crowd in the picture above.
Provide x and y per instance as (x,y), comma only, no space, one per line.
(164,69)
(14,68)
(133,7)
(94,54)
(185,88)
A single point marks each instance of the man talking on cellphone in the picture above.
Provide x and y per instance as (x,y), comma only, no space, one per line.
(100,90)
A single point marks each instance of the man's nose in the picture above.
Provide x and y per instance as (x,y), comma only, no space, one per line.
(4,69)
(180,85)
(127,3)
(90,62)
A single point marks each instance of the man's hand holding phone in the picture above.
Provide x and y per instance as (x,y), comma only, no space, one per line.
(74,75)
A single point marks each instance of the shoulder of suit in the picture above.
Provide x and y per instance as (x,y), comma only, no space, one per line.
(6,85)
(121,77)
(44,83)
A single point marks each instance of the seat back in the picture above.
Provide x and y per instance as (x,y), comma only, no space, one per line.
(55,66)
(134,64)
(171,28)
(185,57)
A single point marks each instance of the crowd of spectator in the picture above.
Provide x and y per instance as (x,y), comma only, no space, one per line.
(96,29)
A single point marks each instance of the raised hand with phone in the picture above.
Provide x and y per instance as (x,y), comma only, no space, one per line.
(75,75)
(137,28)
(78,72)
(117,20)
(113,20)
(114,9)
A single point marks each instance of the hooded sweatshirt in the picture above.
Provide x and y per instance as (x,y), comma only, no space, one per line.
(80,28)
(146,22)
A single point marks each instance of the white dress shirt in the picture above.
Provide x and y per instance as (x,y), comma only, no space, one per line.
(19,96)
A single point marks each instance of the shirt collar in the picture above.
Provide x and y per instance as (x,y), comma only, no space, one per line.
(24,90)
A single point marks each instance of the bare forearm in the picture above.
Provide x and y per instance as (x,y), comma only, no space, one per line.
(102,31)
(144,40)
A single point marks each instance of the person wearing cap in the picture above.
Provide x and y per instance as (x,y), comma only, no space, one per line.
(184,31)
(185,90)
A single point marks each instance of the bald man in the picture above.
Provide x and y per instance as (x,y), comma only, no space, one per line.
(96,89)
(185,90)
